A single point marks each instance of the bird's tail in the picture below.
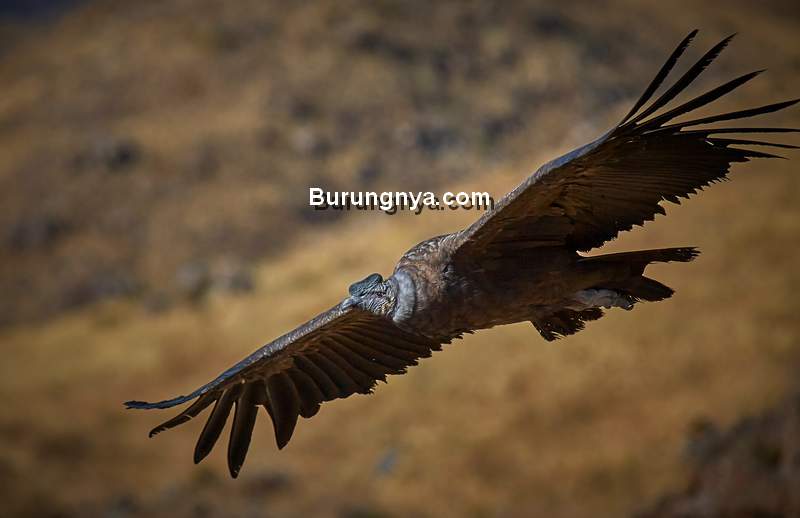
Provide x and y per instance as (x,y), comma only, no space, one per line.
(622,273)
(629,268)
(642,258)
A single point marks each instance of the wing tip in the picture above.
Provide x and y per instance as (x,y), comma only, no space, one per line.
(155,431)
(198,458)
(167,403)
(137,405)
(724,43)
(688,39)
(283,433)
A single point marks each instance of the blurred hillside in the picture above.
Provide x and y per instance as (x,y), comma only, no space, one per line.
(750,469)
(156,151)
(160,153)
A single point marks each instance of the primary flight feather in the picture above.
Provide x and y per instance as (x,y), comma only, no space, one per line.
(518,262)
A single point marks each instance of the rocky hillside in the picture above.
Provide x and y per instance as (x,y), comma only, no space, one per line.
(161,152)
(156,150)
(751,469)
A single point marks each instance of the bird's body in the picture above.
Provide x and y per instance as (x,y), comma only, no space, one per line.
(434,294)
(522,261)
(460,298)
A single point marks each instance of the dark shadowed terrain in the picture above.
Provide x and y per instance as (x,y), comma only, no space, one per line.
(750,469)
(155,161)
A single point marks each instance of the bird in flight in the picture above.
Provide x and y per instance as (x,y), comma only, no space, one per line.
(519,262)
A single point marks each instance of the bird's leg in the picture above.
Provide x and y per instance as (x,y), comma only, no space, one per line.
(600,298)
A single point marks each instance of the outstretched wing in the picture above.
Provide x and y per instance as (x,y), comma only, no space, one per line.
(338,353)
(590,195)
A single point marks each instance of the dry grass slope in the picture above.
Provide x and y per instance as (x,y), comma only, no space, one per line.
(498,422)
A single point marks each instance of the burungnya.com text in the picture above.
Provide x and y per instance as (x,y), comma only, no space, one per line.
(392,202)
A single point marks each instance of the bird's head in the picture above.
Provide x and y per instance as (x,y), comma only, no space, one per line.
(372,293)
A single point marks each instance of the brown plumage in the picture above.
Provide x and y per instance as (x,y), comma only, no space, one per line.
(518,262)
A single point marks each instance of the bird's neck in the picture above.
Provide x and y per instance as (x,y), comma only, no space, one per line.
(405,298)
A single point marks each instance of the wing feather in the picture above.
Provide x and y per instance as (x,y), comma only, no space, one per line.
(387,346)
(343,381)
(244,419)
(373,370)
(741,114)
(192,411)
(684,81)
(310,394)
(662,74)
(588,196)
(746,142)
(285,405)
(341,352)
(330,389)
(213,428)
(375,353)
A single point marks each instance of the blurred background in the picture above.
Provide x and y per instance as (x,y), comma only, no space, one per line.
(155,160)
